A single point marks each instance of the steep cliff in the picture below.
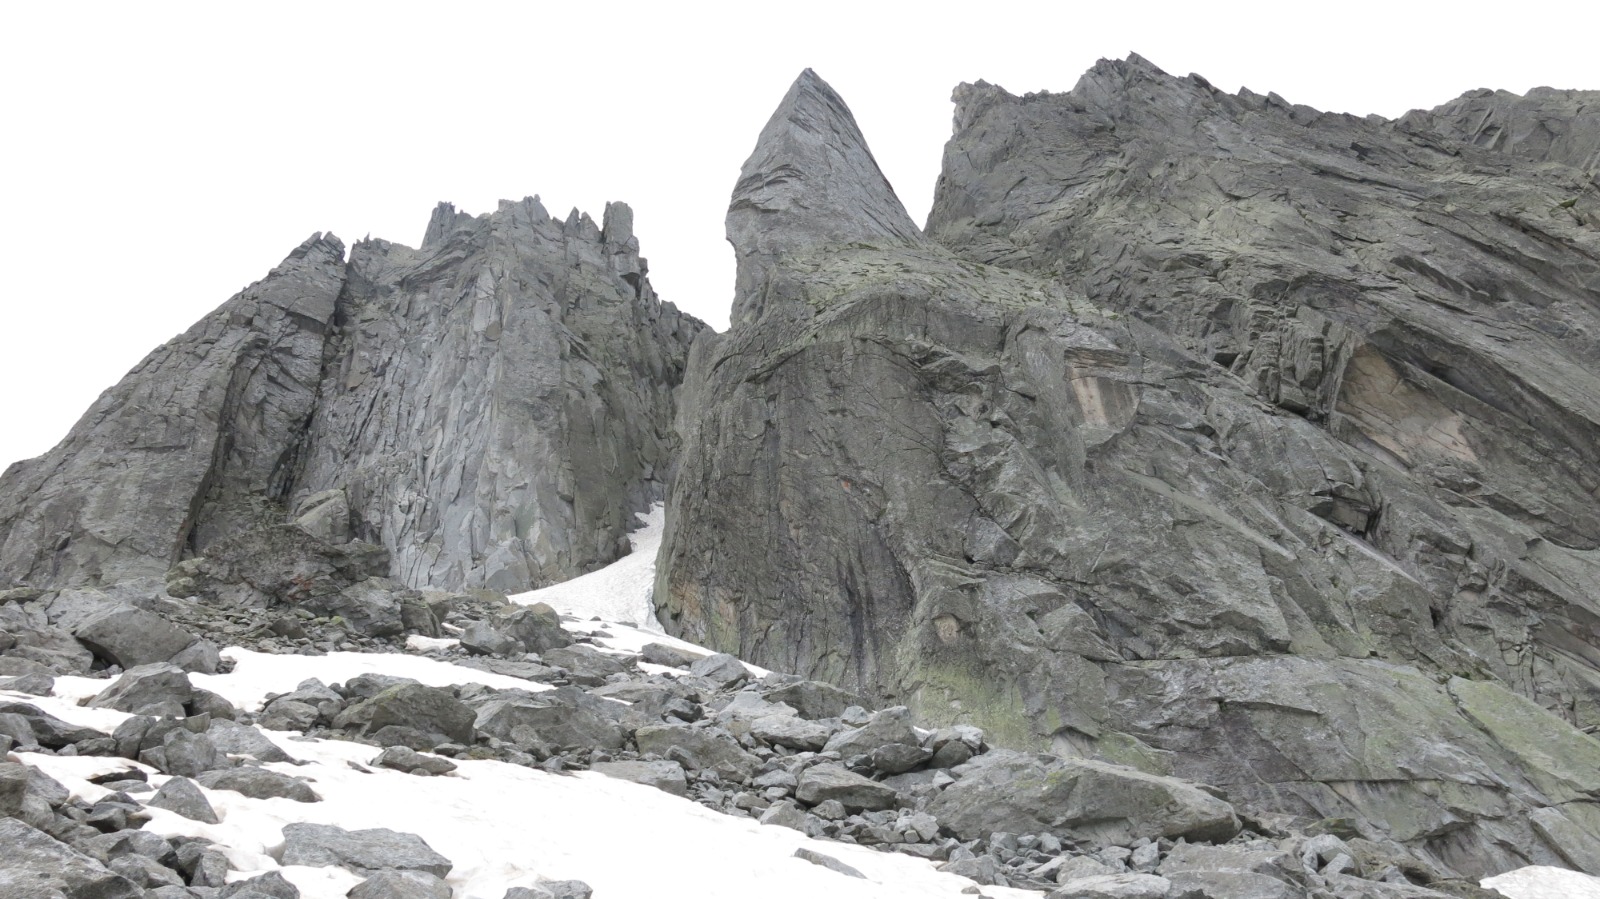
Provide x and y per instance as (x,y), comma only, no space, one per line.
(1242,534)
(1433,307)
(491,408)
(498,403)
(189,445)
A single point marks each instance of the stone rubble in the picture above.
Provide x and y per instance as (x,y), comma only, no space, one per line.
(708,730)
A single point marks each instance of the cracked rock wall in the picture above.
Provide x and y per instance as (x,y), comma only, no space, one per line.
(492,408)
(1159,490)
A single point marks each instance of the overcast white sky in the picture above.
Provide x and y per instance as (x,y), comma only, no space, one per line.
(155,158)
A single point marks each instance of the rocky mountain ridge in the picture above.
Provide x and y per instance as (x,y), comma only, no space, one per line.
(444,403)
(1216,457)
(1179,441)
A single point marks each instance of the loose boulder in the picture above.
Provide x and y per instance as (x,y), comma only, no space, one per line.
(821,783)
(430,710)
(184,797)
(259,783)
(565,718)
(362,851)
(401,885)
(1013,792)
(706,748)
(129,637)
(37,865)
(158,689)
(666,776)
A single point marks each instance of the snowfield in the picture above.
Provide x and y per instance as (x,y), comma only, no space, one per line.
(504,826)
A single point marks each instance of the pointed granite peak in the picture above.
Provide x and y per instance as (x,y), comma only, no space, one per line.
(811,182)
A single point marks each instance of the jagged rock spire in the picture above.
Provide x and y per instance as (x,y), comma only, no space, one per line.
(810,182)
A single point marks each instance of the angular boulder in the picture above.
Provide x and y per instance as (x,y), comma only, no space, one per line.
(182,796)
(259,783)
(1017,792)
(538,626)
(362,851)
(565,718)
(665,776)
(429,710)
(130,637)
(820,783)
(160,689)
(36,864)
(698,748)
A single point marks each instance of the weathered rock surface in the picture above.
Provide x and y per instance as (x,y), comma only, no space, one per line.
(429,710)
(187,445)
(821,783)
(401,885)
(666,776)
(709,748)
(1313,459)
(1543,125)
(183,796)
(259,783)
(558,719)
(361,851)
(129,637)
(1014,792)
(36,865)
(528,361)
(492,409)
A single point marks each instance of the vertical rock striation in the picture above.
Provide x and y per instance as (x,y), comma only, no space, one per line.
(491,408)
(1242,536)
(498,403)
(196,441)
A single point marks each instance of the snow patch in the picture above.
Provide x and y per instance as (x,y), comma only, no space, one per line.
(1544,882)
(620,592)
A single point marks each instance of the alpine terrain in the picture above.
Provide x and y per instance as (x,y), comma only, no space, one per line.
(1203,504)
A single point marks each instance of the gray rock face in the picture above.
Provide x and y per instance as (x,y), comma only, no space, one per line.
(50,731)
(401,885)
(810,182)
(36,865)
(271,884)
(529,362)
(1323,429)
(259,783)
(827,861)
(361,851)
(156,689)
(699,747)
(1543,125)
(666,776)
(430,710)
(178,452)
(238,739)
(13,788)
(1017,793)
(562,718)
(183,796)
(820,783)
(131,637)
(491,408)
